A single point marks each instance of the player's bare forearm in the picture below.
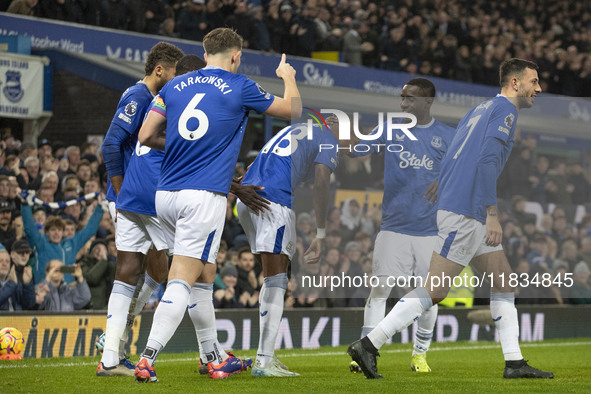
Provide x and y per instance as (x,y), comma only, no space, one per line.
(494,231)
(116,182)
(431,193)
(321,191)
(290,105)
(492,210)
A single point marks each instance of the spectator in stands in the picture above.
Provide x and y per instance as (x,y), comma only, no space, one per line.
(4,187)
(395,53)
(99,273)
(559,225)
(215,17)
(226,297)
(45,194)
(71,212)
(559,189)
(39,216)
(303,32)
(70,182)
(243,23)
(262,39)
(53,294)
(304,229)
(44,149)
(73,157)
(168,28)
(53,245)
(517,174)
(83,172)
(334,240)
(7,233)
(17,290)
(154,15)
(585,250)
(69,228)
(192,21)
(30,178)
(581,186)
(539,253)
(279,22)
(50,180)
(569,253)
(117,14)
(247,286)
(56,9)
(351,219)
(539,181)
(580,292)
(23,7)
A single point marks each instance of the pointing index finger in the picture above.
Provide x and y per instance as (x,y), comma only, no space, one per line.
(283,57)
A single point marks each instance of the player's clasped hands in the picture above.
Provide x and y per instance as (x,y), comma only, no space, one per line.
(285,70)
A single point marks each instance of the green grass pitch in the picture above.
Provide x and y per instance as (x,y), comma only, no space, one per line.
(458,367)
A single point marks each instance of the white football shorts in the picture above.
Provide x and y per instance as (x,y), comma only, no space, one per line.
(136,232)
(272,231)
(402,255)
(461,238)
(192,222)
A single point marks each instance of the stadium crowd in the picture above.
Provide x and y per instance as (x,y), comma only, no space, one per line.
(40,240)
(455,39)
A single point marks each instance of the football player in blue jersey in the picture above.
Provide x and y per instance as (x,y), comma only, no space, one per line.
(409,228)
(468,222)
(137,230)
(286,160)
(117,149)
(206,114)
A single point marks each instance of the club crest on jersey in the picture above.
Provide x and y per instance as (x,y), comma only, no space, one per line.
(131,108)
(436,141)
(509,120)
(263,91)
(13,89)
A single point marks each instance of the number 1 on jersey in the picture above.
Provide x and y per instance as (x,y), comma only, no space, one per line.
(471,124)
(189,113)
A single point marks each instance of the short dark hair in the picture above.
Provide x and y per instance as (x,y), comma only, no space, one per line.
(220,40)
(424,84)
(164,54)
(243,250)
(189,63)
(514,67)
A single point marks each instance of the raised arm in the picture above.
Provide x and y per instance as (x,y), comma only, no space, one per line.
(290,105)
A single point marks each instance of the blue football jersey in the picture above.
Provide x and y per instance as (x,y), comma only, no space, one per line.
(461,188)
(130,113)
(206,112)
(408,174)
(138,192)
(288,159)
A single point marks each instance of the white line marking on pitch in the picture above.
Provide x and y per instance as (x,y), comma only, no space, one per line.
(319,354)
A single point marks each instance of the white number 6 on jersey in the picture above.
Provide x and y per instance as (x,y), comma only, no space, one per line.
(191,112)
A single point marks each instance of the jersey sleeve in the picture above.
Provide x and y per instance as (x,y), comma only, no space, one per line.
(501,124)
(158,106)
(255,97)
(129,114)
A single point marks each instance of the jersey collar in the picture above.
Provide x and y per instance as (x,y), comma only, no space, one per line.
(141,82)
(424,126)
